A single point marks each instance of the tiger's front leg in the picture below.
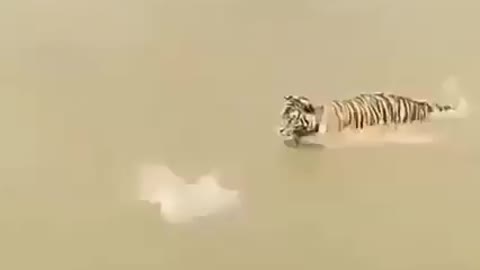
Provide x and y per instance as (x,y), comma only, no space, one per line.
(294,141)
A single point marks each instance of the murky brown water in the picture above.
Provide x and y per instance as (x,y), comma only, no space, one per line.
(91,90)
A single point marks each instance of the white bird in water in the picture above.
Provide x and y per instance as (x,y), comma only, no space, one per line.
(181,202)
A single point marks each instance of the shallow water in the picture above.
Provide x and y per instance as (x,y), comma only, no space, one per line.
(93,90)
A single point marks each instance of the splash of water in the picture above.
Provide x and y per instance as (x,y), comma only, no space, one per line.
(373,137)
(181,202)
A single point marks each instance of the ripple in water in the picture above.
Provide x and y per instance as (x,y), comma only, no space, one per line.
(374,137)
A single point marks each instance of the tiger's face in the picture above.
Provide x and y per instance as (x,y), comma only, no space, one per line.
(291,122)
(298,117)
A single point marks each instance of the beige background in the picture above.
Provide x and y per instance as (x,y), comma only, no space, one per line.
(90,90)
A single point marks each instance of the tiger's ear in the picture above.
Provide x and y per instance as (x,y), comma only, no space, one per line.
(287,97)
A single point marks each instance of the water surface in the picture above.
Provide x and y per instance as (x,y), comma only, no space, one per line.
(92,90)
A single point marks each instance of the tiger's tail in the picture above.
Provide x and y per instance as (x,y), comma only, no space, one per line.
(460,110)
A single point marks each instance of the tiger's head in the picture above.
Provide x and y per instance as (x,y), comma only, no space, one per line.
(298,117)
(297,102)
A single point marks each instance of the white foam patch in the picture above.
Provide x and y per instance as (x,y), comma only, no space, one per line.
(181,202)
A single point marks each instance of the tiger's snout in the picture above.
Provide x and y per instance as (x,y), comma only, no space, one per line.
(285,131)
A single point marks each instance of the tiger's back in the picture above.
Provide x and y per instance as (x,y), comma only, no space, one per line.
(377,109)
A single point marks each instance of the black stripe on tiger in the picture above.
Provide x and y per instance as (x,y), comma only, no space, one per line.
(374,110)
